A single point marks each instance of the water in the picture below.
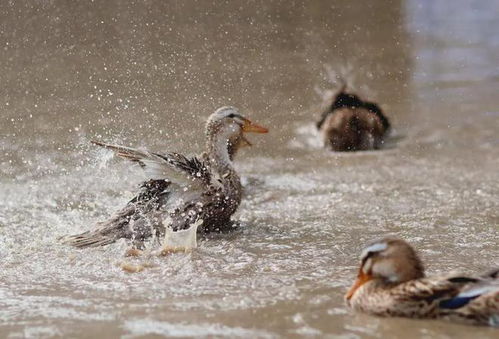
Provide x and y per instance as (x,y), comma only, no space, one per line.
(148,74)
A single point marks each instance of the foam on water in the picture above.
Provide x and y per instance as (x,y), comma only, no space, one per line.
(306,213)
(183,240)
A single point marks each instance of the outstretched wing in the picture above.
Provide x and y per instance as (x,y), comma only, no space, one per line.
(175,167)
(139,220)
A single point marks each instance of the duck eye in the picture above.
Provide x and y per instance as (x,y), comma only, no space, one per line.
(232,115)
(370,255)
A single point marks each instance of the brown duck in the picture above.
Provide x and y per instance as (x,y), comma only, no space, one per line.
(391,282)
(183,190)
(352,124)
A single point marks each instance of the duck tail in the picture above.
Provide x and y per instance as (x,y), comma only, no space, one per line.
(88,239)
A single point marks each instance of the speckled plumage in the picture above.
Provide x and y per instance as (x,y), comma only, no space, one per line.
(181,190)
(391,282)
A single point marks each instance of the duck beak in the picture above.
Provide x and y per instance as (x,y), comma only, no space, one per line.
(362,278)
(249,127)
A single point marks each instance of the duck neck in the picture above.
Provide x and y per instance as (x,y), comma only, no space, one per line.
(218,152)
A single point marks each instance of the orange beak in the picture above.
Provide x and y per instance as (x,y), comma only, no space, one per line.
(250,127)
(362,278)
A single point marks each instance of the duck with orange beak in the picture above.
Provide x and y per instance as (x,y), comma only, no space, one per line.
(391,282)
(182,191)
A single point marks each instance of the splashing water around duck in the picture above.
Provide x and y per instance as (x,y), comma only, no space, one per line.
(180,241)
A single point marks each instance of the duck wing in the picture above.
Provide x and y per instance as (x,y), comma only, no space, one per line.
(177,168)
(476,303)
(431,290)
(138,220)
(487,284)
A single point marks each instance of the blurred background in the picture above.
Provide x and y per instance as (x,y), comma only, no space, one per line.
(141,68)
(148,73)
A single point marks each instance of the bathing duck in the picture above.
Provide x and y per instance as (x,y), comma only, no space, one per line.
(352,124)
(205,190)
(391,282)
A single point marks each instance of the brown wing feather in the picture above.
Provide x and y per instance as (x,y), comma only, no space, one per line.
(180,170)
(140,211)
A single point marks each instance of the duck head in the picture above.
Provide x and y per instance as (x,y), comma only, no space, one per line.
(225,131)
(389,261)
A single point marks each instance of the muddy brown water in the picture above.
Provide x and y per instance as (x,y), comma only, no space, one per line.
(149,73)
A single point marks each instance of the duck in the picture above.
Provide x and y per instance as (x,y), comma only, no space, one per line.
(351,123)
(391,282)
(181,191)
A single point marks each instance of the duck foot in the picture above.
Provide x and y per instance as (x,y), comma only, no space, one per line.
(133,252)
(131,268)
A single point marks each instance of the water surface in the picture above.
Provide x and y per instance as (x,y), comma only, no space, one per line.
(148,74)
